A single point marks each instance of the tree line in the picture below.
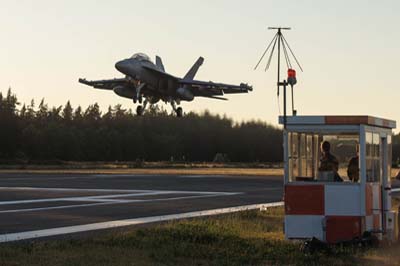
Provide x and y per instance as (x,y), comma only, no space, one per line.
(30,132)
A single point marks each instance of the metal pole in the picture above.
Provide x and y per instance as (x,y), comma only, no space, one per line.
(292,101)
(284,82)
(279,56)
(284,104)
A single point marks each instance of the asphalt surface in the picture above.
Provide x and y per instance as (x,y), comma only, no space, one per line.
(30,202)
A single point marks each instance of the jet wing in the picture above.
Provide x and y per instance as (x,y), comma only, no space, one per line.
(211,89)
(204,88)
(106,84)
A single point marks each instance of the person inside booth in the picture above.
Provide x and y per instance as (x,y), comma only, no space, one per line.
(353,170)
(328,162)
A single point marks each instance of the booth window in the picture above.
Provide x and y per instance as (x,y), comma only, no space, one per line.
(373,163)
(303,149)
(304,155)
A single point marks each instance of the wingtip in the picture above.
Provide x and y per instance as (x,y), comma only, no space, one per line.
(83,81)
(246,86)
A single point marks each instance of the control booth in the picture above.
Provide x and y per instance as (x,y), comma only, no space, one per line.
(337,178)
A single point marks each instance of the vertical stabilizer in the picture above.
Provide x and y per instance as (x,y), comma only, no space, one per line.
(192,72)
(159,63)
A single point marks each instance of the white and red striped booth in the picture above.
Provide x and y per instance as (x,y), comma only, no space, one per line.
(332,211)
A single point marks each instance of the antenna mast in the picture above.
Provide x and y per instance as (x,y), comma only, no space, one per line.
(291,80)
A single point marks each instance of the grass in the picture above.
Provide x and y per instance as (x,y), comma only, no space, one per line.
(153,168)
(133,164)
(155,171)
(381,257)
(246,238)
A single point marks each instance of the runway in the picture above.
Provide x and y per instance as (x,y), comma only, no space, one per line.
(37,205)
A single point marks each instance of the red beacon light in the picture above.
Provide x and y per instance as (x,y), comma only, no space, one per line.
(291,77)
(291,73)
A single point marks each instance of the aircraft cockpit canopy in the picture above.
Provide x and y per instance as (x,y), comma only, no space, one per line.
(141,57)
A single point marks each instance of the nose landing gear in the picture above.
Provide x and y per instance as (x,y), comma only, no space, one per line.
(140,109)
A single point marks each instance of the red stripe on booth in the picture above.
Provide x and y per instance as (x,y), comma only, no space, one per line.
(305,200)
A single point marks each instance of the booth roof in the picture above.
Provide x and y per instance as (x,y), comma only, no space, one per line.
(339,120)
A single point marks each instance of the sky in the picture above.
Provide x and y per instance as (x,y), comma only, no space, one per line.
(349,51)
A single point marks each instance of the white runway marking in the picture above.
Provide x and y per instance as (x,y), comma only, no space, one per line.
(106,202)
(88,198)
(64,177)
(394,190)
(108,190)
(73,189)
(126,222)
(202,176)
(99,200)
(124,175)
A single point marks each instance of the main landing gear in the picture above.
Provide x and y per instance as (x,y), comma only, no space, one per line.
(178,111)
(140,109)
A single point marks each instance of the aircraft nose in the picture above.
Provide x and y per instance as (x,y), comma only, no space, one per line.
(122,66)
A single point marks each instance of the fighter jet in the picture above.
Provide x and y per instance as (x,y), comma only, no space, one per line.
(146,82)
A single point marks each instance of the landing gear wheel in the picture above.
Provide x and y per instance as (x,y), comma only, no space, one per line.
(179,112)
(139,110)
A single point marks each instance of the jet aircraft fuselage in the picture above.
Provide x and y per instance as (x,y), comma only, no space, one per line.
(144,79)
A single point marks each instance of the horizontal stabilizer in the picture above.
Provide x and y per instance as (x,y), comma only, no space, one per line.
(216,97)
